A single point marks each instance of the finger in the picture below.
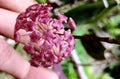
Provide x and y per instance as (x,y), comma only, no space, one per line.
(7,22)
(16,5)
(11,62)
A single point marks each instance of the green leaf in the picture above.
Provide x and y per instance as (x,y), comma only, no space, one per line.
(41,1)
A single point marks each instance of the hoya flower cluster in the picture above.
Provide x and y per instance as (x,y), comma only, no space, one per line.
(44,37)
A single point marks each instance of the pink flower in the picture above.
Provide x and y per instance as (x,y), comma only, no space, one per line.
(44,37)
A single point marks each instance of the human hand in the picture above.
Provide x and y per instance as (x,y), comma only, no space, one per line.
(10,61)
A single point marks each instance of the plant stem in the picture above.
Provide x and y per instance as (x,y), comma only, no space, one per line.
(95,38)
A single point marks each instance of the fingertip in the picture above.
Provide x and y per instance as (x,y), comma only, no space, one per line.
(41,73)
(55,76)
(52,75)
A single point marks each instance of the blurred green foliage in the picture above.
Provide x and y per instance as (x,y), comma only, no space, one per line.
(88,16)
(42,1)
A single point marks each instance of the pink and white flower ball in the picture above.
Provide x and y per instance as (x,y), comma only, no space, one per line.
(44,37)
